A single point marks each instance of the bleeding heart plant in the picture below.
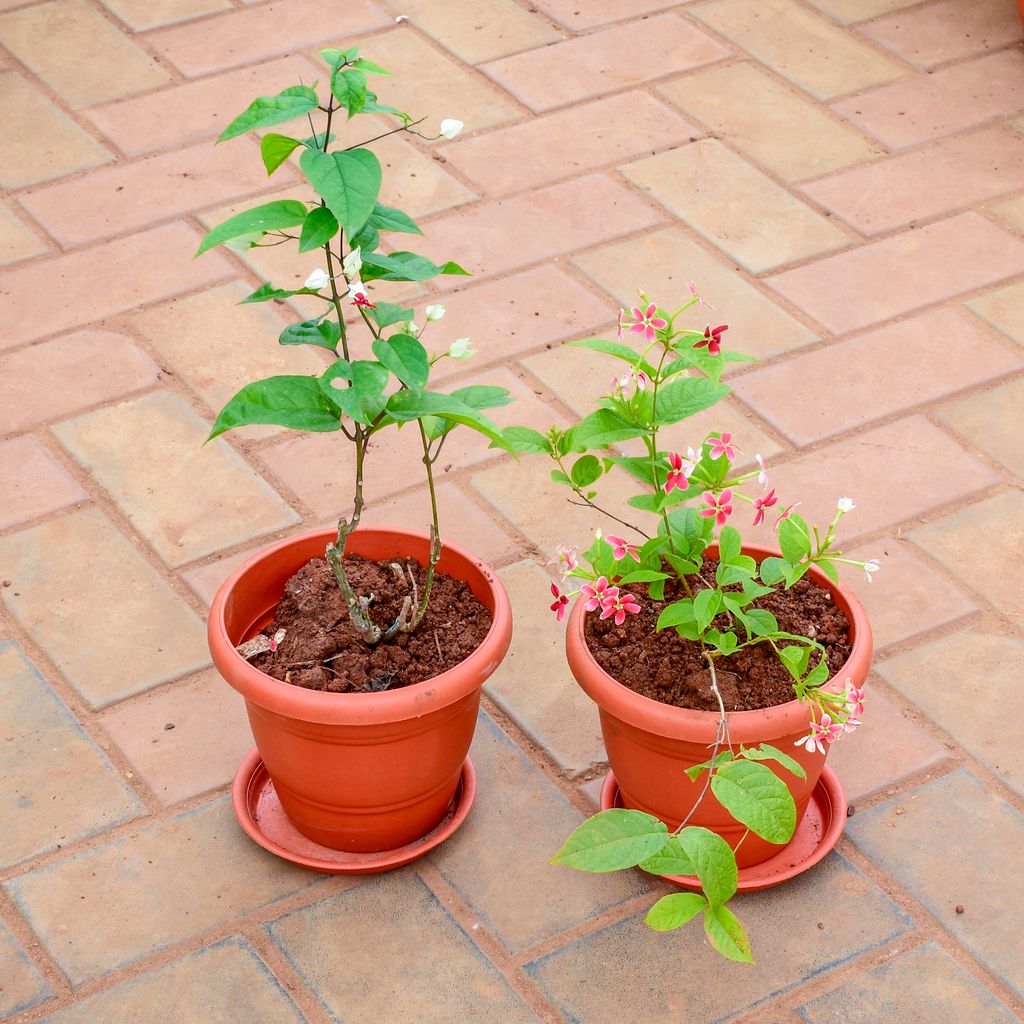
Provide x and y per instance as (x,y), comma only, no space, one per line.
(695,498)
(345,225)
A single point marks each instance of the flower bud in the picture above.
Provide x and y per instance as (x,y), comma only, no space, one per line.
(317,280)
(352,263)
(435,312)
(451,126)
(461,348)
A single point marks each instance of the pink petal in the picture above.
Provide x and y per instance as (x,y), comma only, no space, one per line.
(651,310)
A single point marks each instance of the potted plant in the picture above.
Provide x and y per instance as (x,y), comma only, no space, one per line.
(360,652)
(722,671)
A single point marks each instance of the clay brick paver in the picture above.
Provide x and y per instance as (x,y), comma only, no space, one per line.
(924,838)
(338,943)
(834,389)
(226,982)
(947,30)
(725,200)
(800,45)
(30,116)
(505,883)
(96,601)
(925,183)
(78,53)
(982,670)
(56,784)
(843,183)
(953,541)
(947,101)
(856,917)
(23,986)
(187,499)
(215,870)
(58,378)
(68,291)
(877,281)
(568,143)
(783,131)
(910,987)
(591,65)
(183,739)
(36,483)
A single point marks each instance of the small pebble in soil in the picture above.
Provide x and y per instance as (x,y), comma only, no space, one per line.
(959,908)
(850,811)
(168,726)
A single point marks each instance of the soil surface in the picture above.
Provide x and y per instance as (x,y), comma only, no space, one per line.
(321,650)
(670,669)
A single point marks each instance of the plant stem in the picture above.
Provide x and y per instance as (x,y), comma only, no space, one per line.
(435,531)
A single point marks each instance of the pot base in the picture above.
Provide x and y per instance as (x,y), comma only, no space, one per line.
(259,812)
(819,830)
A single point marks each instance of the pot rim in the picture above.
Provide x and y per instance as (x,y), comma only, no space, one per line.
(667,720)
(356,709)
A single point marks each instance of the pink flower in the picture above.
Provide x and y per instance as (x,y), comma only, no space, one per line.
(854,699)
(565,560)
(629,381)
(621,548)
(275,641)
(723,446)
(762,476)
(785,513)
(826,730)
(678,475)
(718,506)
(760,504)
(560,603)
(620,325)
(645,321)
(712,338)
(620,606)
(597,594)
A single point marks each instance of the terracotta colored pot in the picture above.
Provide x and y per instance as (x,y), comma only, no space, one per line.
(362,772)
(650,744)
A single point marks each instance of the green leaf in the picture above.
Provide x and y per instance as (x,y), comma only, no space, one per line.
(405,357)
(706,605)
(726,934)
(284,213)
(366,239)
(643,576)
(694,771)
(671,859)
(756,797)
(680,613)
(405,406)
(292,102)
(405,266)
(526,439)
(348,86)
(795,658)
(334,56)
(371,106)
(729,544)
(483,396)
(325,334)
(368,66)
(773,569)
(585,470)
(761,621)
(387,313)
(348,182)
(387,218)
(766,752)
(601,429)
(826,566)
(724,642)
(713,861)
(294,402)
(617,349)
(267,292)
(613,840)
(794,539)
(319,227)
(727,575)
(686,396)
(369,379)
(275,149)
(674,910)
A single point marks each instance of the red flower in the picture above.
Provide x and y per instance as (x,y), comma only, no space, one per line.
(760,504)
(361,300)
(560,603)
(712,338)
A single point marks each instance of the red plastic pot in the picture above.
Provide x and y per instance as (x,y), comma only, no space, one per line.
(650,744)
(361,772)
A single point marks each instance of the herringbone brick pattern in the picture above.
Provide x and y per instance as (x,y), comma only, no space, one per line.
(844,179)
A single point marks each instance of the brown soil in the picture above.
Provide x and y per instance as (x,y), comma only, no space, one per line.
(321,650)
(670,669)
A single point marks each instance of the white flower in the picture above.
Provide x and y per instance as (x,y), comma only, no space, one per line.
(870,567)
(451,126)
(352,263)
(412,328)
(317,280)
(356,286)
(243,242)
(435,312)
(461,348)
(762,476)
(845,505)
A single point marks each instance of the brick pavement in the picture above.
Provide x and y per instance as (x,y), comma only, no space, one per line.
(845,181)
